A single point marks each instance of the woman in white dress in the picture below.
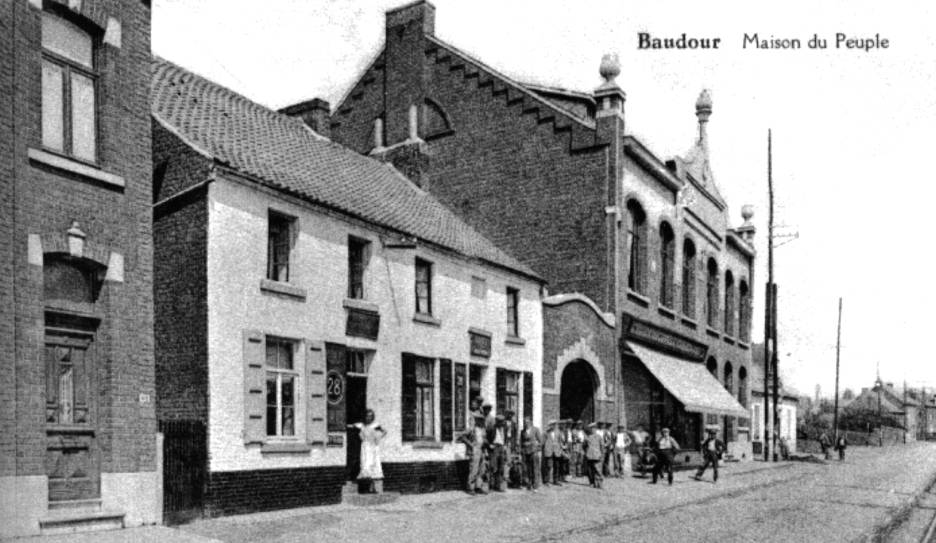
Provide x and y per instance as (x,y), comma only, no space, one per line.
(371,436)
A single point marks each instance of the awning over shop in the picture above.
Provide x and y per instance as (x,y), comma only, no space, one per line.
(690,383)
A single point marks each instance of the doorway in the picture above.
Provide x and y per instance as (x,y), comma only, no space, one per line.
(356,389)
(577,392)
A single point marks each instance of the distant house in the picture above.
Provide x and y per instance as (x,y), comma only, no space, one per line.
(299,283)
(903,406)
(787,410)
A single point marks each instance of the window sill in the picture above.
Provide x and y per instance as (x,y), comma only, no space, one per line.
(666,312)
(638,298)
(689,321)
(285,289)
(729,340)
(743,345)
(712,332)
(73,166)
(514,340)
(285,448)
(427,444)
(424,318)
(479,331)
(362,305)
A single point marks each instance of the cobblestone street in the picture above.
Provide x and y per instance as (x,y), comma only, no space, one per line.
(752,502)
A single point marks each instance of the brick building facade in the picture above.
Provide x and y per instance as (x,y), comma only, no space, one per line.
(77,415)
(298,283)
(553,177)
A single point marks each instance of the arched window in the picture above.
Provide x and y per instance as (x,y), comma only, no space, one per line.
(728,373)
(742,386)
(636,247)
(712,366)
(667,263)
(729,303)
(711,294)
(688,278)
(69,120)
(744,311)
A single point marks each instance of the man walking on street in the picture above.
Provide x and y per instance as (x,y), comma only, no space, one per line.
(666,452)
(840,444)
(712,448)
(825,444)
(531,444)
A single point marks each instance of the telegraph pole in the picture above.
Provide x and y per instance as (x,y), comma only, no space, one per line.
(769,313)
(838,344)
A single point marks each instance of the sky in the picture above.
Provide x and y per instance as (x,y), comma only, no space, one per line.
(851,130)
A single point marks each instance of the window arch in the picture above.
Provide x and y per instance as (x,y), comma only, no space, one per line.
(712,366)
(688,278)
(729,303)
(667,263)
(744,311)
(711,294)
(636,246)
(742,386)
(728,373)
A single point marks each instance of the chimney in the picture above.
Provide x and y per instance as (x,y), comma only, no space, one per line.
(747,230)
(419,13)
(316,113)
(406,70)
(608,96)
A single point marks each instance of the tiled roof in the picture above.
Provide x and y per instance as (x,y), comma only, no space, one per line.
(283,153)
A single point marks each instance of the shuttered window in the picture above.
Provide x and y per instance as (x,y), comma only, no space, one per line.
(417,406)
(282,381)
(446,397)
(508,391)
(461,397)
(527,394)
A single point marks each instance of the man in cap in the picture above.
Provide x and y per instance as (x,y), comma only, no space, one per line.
(712,448)
(531,445)
(565,439)
(497,458)
(666,452)
(622,443)
(475,443)
(593,449)
(552,453)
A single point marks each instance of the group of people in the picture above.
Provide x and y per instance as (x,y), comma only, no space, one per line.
(500,454)
(826,444)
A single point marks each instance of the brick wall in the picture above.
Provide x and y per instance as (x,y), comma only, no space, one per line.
(7,352)
(115,219)
(236,492)
(180,283)
(418,477)
(508,168)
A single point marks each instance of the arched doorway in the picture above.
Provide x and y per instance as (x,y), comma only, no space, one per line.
(577,391)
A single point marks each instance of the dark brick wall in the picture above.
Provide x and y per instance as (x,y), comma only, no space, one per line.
(180,283)
(7,338)
(419,477)
(565,325)
(119,220)
(236,492)
(509,168)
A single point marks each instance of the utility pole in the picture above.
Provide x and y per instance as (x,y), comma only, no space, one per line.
(838,346)
(768,316)
(776,375)
(905,411)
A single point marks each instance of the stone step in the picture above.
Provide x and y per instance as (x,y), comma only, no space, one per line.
(73,520)
(364,500)
(93,504)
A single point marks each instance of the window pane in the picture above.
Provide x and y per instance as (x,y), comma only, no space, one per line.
(53,126)
(288,399)
(66,39)
(423,372)
(83,124)
(271,404)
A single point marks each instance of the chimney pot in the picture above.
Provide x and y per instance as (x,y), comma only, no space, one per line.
(316,113)
(421,12)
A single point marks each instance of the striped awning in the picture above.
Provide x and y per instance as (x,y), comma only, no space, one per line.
(689,382)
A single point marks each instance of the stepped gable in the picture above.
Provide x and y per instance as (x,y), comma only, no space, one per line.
(283,153)
(544,102)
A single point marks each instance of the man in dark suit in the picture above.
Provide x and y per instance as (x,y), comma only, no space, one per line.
(497,454)
(531,445)
(712,449)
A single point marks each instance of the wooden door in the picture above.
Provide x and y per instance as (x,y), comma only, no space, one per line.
(71,459)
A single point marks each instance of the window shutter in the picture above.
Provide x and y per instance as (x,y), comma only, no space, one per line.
(335,393)
(527,394)
(445,398)
(461,397)
(408,404)
(254,387)
(501,396)
(315,392)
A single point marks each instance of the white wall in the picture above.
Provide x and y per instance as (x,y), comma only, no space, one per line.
(237,259)
(787,415)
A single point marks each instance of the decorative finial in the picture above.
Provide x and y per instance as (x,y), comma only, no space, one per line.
(610,68)
(703,105)
(747,213)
